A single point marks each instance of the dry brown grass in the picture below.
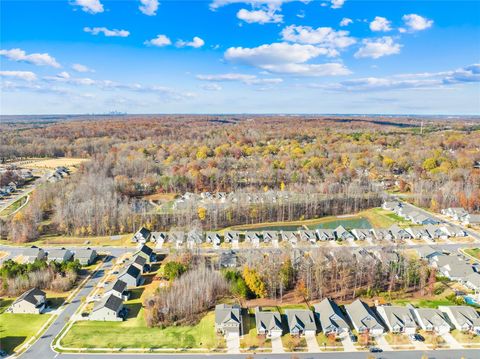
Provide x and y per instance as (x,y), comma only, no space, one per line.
(52,163)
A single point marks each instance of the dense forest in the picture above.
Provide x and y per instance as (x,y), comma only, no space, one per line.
(334,165)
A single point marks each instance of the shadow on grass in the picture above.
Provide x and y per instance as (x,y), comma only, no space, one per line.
(133,310)
(9,343)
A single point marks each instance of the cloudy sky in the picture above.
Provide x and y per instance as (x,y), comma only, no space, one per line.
(234,56)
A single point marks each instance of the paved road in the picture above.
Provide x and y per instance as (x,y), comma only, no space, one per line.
(41,348)
(411,354)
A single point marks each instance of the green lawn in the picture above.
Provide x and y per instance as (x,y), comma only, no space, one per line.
(15,329)
(251,340)
(423,303)
(14,206)
(474,252)
(134,333)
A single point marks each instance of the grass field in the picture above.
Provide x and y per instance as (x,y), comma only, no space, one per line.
(14,206)
(465,337)
(250,339)
(15,329)
(474,252)
(52,163)
(135,334)
(119,241)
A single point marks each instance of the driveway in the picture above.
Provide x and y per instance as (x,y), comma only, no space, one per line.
(277,346)
(451,341)
(418,344)
(348,345)
(382,343)
(312,343)
(233,343)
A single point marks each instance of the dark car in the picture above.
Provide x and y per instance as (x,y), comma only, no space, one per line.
(375,350)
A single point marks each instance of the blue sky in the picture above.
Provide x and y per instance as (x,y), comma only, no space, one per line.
(231,56)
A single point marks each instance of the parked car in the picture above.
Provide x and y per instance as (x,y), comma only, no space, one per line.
(416,337)
(375,350)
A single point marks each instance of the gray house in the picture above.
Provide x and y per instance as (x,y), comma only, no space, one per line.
(59,255)
(472,281)
(33,301)
(399,233)
(398,319)
(178,238)
(86,256)
(342,234)
(141,263)
(331,318)
(289,236)
(463,318)
(232,237)
(228,319)
(109,309)
(301,322)
(213,238)
(382,234)
(419,233)
(363,319)
(147,253)
(268,323)
(432,320)
(308,236)
(253,238)
(159,237)
(34,253)
(325,234)
(142,236)
(131,275)
(428,253)
(117,288)
(362,234)
(270,236)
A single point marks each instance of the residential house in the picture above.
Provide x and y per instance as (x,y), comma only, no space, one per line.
(428,253)
(118,288)
(213,238)
(232,237)
(308,236)
(268,324)
(472,281)
(399,233)
(131,275)
(456,213)
(325,234)
(270,236)
(34,253)
(178,238)
(59,255)
(391,205)
(432,320)
(33,301)
(331,318)
(228,319)
(463,318)
(86,256)
(420,218)
(109,309)
(194,238)
(290,237)
(471,219)
(382,234)
(398,319)
(141,263)
(363,319)
(301,322)
(342,234)
(362,234)
(147,253)
(436,231)
(142,236)
(159,238)
(452,267)
(453,231)
(253,238)
(419,233)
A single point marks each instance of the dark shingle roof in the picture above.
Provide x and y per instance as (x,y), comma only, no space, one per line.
(111,302)
(31,296)
(139,260)
(118,286)
(131,270)
(145,249)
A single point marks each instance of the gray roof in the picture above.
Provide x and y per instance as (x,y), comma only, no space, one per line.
(302,319)
(111,302)
(139,260)
(473,278)
(225,313)
(268,320)
(145,249)
(32,251)
(59,253)
(117,286)
(362,316)
(132,271)
(399,316)
(84,253)
(34,296)
(330,315)
(143,233)
(427,251)
(464,315)
(431,317)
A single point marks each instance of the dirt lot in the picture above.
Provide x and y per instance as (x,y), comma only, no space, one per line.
(51,163)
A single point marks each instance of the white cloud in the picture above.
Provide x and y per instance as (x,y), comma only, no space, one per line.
(159,41)
(211,87)
(337,4)
(35,58)
(416,22)
(149,7)
(215,4)
(467,74)
(81,68)
(380,24)
(22,75)
(376,48)
(195,43)
(285,58)
(346,21)
(262,16)
(325,36)
(245,78)
(106,32)
(90,6)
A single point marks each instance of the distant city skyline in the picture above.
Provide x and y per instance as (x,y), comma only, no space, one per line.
(233,56)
